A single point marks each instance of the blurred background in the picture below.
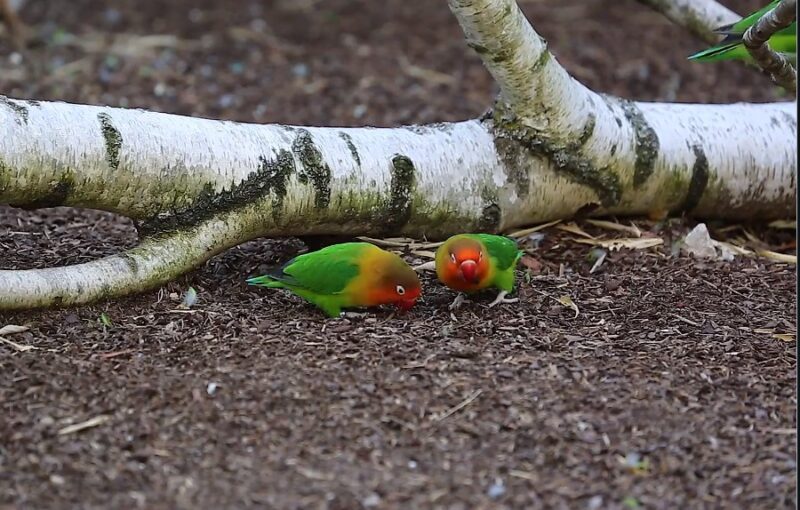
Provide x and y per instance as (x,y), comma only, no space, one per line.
(339,62)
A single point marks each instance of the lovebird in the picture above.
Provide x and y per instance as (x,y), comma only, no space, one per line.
(732,47)
(347,275)
(472,262)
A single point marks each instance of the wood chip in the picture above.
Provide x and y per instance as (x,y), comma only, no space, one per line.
(77,427)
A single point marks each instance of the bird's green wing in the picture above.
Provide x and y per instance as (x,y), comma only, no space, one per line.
(503,250)
(327,271)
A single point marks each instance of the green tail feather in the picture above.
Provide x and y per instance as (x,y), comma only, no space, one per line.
(265,281)
(727,52)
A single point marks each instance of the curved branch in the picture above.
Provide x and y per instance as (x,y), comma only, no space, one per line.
(700,17)
(756,37)
(551,148)
(154,262)
(532,84)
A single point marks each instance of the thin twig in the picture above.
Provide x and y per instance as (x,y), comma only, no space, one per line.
(460,406)
(756,37)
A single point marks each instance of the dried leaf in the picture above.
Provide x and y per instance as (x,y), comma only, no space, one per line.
(778,257)
(189,299)
(632,243)
(758,243)
(574,229)
(11,329)
(599,257)
(569,303)
(610,225)
(786,337)
(784,224)
(738,250)
(522,233)
(531,263)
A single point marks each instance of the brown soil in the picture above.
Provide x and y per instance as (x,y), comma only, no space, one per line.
(664,392)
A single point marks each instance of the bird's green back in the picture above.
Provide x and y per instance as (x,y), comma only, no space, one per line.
(503,250)
(327,271)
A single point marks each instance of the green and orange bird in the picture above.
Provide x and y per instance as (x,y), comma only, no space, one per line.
(347,275)
(473,262)
(732,46)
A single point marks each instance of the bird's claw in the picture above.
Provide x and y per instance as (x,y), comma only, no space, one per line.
(502,299)
(353,315)
(457,302)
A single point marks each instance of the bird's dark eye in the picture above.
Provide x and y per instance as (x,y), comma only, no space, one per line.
(453,257)
(401,290)
(480,255)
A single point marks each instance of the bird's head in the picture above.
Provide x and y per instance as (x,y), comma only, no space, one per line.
(466,260)
(399,286)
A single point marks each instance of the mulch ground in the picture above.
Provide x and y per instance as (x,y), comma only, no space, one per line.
(667,390)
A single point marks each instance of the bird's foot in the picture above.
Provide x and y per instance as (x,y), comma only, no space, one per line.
(457,302)
(353,315)
(428,266)
(501,298)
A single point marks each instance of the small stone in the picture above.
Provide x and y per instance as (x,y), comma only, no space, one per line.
(371,501)
(496,490)
(212,388)
(595,502)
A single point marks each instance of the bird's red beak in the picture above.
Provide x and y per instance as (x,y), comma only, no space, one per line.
(469,268)
(405,304)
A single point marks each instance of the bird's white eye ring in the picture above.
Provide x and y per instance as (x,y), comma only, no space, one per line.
(480,255)
(400,290)
(453,257)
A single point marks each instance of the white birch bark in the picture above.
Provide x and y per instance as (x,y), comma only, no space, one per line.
(700,17)
(551,148)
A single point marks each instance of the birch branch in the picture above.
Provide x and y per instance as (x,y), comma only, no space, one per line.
(550,148)
(756,37)
(699,17)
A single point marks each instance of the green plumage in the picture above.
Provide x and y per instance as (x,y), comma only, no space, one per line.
(319,277)
(503,255)
(732,46)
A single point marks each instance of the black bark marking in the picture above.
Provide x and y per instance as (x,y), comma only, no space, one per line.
(512,140)
(351,146)
(699,181)
(647,143)
(19,110)
(113,140)
(271,177)
(401,193)
(588,130)
(314,170)
(130,261)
